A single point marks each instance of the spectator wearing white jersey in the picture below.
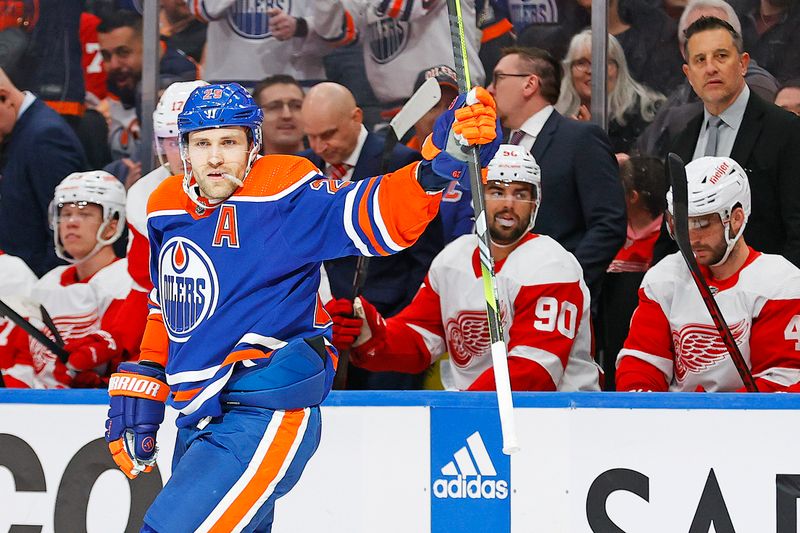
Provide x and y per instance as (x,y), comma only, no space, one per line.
(673,345)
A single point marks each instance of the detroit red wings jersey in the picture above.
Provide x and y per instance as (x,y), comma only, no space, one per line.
(16,282)
(544,307)
(673,344)
(77,309)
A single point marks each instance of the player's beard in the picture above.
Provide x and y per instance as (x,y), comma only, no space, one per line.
(506,235)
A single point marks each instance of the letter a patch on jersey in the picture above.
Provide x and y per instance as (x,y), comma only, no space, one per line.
(227,227)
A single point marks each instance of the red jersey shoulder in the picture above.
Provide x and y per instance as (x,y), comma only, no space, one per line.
(168,195)
(275,174)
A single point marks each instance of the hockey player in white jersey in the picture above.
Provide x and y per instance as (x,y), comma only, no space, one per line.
(673,344)
(544,302)
(88,216)
(16,282)
(399,38)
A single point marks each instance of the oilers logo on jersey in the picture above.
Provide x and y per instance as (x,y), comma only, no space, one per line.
(189,287)
(249,19)
(387,38)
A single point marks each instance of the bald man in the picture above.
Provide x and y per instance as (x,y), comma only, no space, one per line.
(343,150)
(37,150)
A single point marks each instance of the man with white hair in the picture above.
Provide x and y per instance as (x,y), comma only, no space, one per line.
(545,310)
(673,345)
(83,298)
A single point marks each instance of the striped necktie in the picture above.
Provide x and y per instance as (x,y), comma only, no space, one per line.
(516,137)
(338,171)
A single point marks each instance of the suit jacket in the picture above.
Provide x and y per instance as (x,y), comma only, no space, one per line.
(392,281)
(767,147)
(40,152)
(583,204)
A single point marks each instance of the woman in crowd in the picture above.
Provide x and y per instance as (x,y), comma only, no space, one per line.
(631,105)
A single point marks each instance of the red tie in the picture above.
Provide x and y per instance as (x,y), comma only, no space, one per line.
(338,171)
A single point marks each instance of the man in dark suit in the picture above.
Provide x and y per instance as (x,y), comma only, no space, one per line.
(38,149)
(583,205)
(763,138)
(343,150)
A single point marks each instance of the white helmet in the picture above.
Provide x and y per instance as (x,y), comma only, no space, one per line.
(92,187)
(717,185)
(515,163)
(165,117)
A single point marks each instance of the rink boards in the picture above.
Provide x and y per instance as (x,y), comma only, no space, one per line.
(409,462)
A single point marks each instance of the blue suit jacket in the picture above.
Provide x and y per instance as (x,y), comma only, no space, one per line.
(392,281)
(41,151)
(583,203)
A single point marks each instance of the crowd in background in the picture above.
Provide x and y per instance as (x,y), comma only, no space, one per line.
(329,75)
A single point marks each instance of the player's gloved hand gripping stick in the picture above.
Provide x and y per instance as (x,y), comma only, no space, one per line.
(478,130)
(138,392)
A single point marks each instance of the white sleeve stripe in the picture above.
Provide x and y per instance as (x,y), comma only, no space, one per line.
(664,365)
(348,220)
(260,340)
(381,225)
(549,361)
(433,342)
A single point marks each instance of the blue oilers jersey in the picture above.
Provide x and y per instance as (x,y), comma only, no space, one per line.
(235,283)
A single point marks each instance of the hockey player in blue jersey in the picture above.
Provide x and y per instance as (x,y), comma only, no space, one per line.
(237,340)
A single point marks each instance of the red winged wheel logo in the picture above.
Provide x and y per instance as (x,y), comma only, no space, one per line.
(699,346)
(468,336)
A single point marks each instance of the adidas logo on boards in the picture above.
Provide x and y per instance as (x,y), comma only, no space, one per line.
(471,465)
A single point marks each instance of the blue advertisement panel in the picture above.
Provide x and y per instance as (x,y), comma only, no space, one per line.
(470,475)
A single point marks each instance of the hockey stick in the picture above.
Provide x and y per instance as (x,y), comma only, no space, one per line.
(34,332)
(680,206)
(499,349)
(422,101)
(48,321)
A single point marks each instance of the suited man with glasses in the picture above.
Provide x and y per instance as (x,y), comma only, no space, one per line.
(583,205)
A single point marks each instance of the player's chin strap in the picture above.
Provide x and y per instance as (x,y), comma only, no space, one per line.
(101,243)
(731,241)
(192,189)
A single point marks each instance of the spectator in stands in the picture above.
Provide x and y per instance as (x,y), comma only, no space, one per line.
(584,207)
(647,35)
(545,24)
(120,37)
(789,96)
(342,148)
(396,36)
(684,103)
(771,34)
(248,41)
(631,105)
(281,98)
(645,185)
(180,30)
(736,123)
(88,215)
(93,128)
(37,149)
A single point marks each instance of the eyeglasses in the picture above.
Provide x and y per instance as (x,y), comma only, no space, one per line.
(276,106)
(500,75)
(585,65)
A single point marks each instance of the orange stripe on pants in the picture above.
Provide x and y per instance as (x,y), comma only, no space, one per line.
(267,472)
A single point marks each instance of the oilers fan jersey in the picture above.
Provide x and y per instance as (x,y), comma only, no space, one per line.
(235,283)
